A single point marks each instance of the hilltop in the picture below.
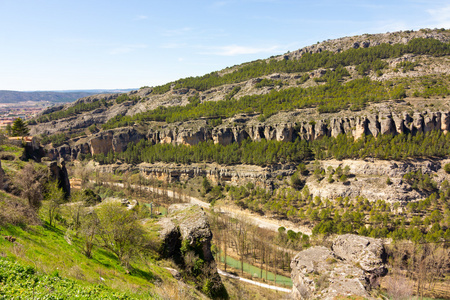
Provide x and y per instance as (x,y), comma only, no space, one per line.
(361,70)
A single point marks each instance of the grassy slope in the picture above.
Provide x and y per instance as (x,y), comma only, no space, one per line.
(55,251)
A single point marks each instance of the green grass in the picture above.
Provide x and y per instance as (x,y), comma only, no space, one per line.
(19,281)
(12,149)
(12,166)
(56,251)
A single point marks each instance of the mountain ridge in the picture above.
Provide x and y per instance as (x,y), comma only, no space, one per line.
(9,96)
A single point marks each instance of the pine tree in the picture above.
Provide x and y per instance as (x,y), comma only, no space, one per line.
(19,128)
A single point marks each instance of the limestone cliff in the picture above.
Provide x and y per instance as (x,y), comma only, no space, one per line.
(282,127)
(232,175)
(99,143)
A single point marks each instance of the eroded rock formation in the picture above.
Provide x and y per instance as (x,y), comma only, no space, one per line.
(234,175)
(351,267)
(2,177)
(235,130)
(186,238)
(59,173)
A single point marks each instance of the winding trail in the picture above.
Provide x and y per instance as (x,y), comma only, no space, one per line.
(268,286)
(262,222)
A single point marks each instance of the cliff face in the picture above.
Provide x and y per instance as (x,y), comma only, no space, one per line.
(238,129)
(233,175)
(99,143)
(59,174)
(284,127)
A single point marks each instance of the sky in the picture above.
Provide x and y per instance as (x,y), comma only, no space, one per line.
(118,44)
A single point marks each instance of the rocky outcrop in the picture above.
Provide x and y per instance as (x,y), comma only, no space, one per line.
(115,140)
(368,179)
(186,238)
(59,174)
(349,268)
(2,177)
(188,224)
(367,40)
(368,253)
(232,175)
(237,129)
(193,225)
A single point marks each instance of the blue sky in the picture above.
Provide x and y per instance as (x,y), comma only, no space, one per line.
(97,44)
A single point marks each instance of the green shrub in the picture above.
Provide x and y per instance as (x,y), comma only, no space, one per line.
(447,168)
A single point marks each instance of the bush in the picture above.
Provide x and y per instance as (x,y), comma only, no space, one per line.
(447,168)
(388,181)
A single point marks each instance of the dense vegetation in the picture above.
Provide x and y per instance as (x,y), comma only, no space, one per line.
(396,147)
(255,153)
(427,220)
(17,279)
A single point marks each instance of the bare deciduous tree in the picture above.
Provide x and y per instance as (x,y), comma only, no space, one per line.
(30,182)
(89,229)
(399,287)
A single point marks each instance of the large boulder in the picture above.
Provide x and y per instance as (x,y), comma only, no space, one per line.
(186,238)
(194,227)
(368,253)
(322,273)
(317,273)
(170,238)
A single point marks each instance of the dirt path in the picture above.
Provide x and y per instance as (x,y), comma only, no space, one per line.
(272,287)
(263,222)
(260,221)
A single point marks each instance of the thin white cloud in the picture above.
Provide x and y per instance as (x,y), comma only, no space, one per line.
(219,4)
(440,17)
(176,32)
(141,17)
(126,49)
(173,45)
(233,50)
